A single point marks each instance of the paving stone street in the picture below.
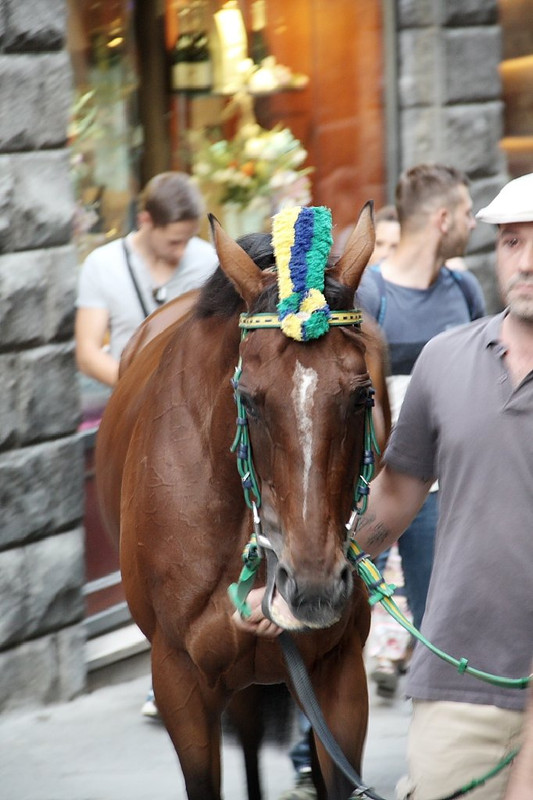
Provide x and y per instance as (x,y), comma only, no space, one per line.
(99,747)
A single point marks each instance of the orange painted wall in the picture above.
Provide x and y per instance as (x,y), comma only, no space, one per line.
(338,43)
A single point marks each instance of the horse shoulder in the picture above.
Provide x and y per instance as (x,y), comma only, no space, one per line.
(118,421)
(160,320)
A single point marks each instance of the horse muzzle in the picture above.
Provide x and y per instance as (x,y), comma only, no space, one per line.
(302,604)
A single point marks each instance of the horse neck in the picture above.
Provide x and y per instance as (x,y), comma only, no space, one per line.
(207,352)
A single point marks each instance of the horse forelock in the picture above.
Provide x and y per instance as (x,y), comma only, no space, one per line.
(219,297)
(338,297)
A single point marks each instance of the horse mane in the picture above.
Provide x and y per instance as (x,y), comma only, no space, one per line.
(219,297)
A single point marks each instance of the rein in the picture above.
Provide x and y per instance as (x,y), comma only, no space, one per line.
(381,592)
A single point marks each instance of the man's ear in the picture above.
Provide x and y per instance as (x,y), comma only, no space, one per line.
(144,218)
(443,216)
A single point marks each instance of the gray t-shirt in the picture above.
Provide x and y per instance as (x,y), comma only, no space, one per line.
(105,282)
(463,422)
(411,317)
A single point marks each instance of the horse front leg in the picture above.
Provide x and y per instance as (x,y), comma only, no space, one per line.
(341,689)
(246,714)
(191,714)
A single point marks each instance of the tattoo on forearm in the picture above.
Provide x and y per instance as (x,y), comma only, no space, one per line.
(375,533)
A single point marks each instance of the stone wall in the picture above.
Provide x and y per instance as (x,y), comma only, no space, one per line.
(450,103)
(41,459)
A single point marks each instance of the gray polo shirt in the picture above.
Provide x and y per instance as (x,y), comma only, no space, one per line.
(464,423)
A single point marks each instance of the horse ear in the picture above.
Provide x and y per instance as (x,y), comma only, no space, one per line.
(236,264)
(350,266)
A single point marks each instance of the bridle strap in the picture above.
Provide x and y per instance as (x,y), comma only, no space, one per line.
(265,320)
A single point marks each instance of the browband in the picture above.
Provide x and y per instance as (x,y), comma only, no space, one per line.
(254,321)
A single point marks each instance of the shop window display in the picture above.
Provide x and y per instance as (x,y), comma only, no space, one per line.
(105,143)
(104,135)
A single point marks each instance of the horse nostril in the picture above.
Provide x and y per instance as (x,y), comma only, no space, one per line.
(346,578)
(282,579)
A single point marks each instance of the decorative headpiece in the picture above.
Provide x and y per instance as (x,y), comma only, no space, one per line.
(302,240)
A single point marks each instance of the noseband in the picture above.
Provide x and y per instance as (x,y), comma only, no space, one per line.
(252,554)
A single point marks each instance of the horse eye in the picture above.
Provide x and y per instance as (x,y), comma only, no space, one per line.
(359,397)
(249,406)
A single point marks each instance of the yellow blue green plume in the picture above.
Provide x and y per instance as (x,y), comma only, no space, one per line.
(302,242)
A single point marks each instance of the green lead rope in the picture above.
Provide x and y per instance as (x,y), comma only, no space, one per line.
(368,464)
(477,782)
(238,592)
(381,592)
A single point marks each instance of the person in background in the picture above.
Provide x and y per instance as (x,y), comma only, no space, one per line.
(387,229)
(413,295)
(387,640)
(125,280)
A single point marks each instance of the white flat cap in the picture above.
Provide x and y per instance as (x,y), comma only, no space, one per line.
(514,203)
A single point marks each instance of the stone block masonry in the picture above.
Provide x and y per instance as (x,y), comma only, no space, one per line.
(450,107)
(41,457)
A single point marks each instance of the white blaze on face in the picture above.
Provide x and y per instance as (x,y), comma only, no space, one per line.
(304,382)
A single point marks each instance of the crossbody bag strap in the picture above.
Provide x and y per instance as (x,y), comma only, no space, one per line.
(146,312)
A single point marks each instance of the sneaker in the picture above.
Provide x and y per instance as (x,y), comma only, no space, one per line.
(304,788)
(403,666)
(149,708)
(385,676)
(405,662)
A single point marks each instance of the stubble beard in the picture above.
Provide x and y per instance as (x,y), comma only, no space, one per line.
(455,247)
(520,304)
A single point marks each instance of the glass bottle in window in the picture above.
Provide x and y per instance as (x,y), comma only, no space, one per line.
(201,68)
(258,45)
(181,52)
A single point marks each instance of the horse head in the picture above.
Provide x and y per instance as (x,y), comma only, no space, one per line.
(305,403)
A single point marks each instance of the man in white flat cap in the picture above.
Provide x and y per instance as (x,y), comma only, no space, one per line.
(467,420)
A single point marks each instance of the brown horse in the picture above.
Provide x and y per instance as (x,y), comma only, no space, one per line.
(163,453)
